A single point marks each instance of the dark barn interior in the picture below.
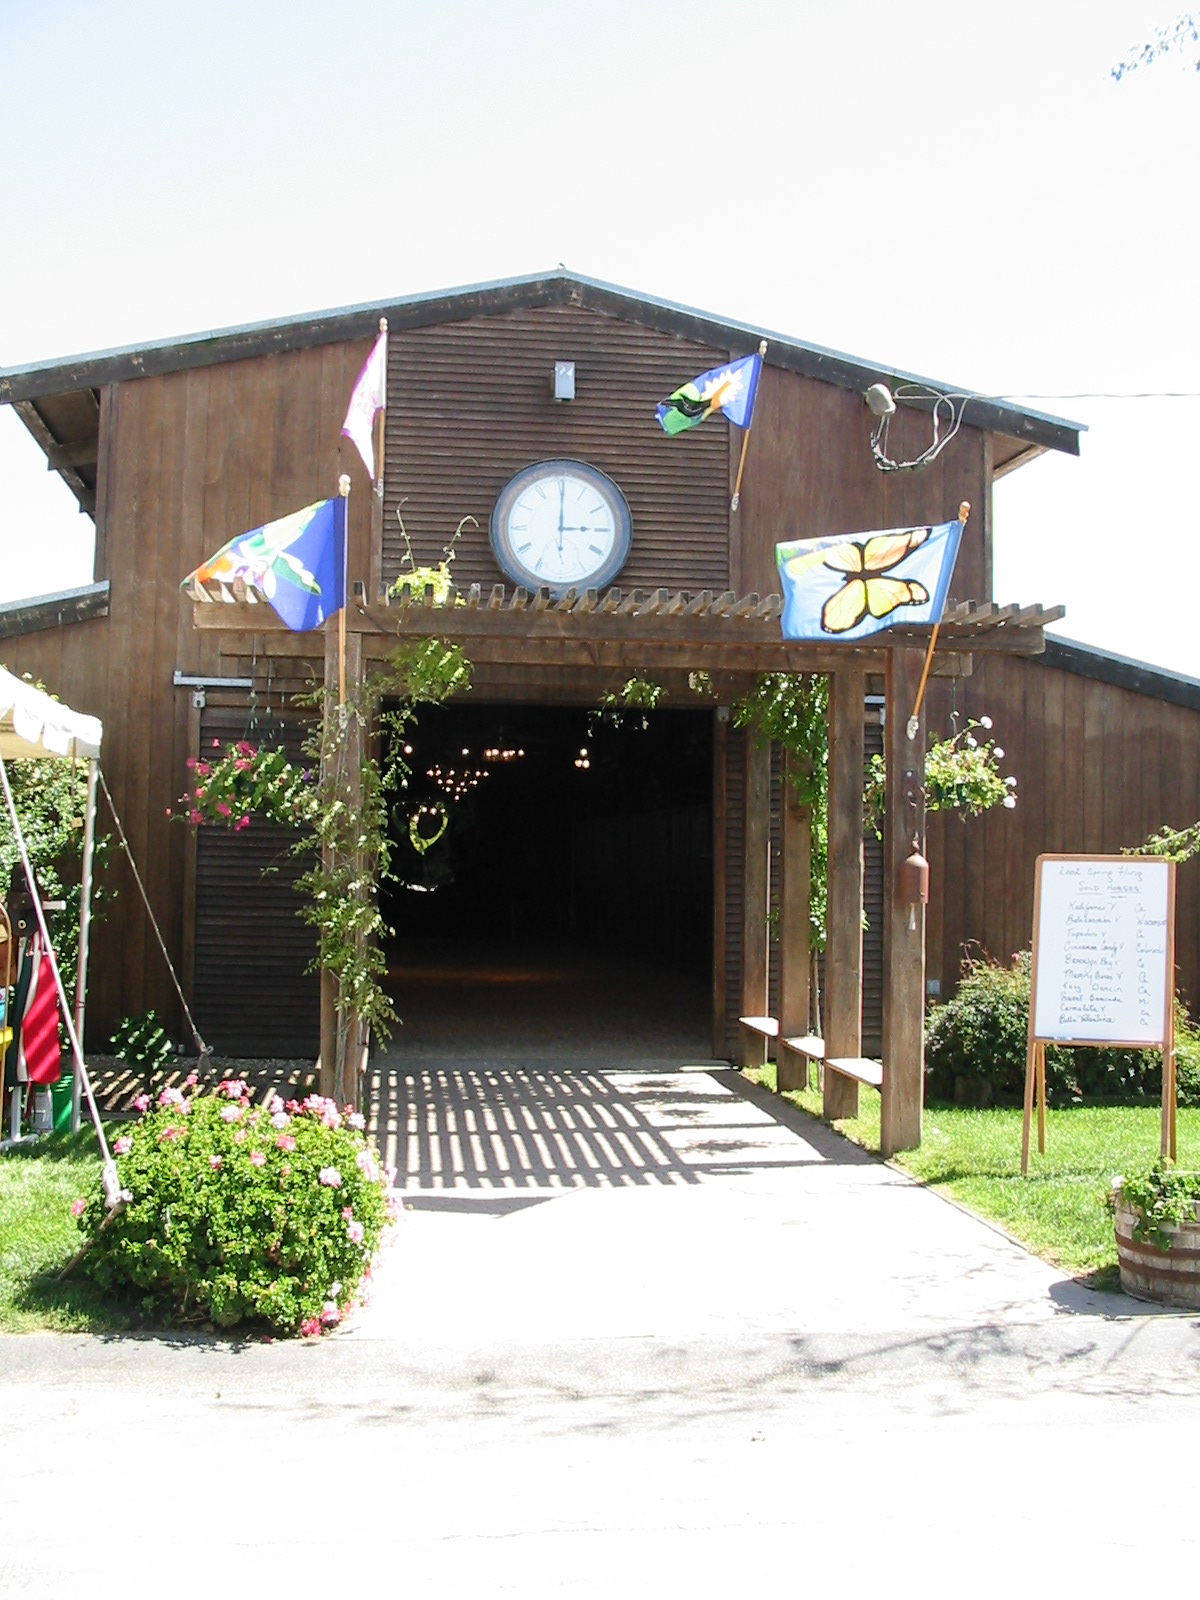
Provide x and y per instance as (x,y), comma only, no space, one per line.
(565,903)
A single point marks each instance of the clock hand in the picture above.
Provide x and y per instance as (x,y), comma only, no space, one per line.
(562,489)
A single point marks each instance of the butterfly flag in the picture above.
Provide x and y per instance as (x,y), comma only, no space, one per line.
(730,389)
(849,586)
(369,397)
(297,564)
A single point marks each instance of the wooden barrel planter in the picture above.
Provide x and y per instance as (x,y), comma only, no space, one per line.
(1171,1277)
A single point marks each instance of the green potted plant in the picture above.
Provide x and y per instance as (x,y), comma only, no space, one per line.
(1156,1213)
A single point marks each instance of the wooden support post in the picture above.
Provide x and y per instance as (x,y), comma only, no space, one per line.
(756,897)
(719,823)
(339,669)
(902,1093)
(794,854)
(843,949)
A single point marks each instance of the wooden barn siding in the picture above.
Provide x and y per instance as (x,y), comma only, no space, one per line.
(470,404)
(809,472)
(191,459)
(1098,768)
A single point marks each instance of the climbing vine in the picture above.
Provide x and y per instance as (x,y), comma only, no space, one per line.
(338,803)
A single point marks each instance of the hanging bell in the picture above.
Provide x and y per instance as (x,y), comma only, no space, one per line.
(914,880)
(914,885)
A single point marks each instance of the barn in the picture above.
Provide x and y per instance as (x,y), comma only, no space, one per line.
(614,873)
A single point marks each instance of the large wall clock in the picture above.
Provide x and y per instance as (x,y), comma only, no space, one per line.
(561,525)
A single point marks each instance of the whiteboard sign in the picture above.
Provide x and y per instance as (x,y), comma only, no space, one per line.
(1103,950)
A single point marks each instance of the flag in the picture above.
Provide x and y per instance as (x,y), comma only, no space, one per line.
(298,564)
(852,585)
(370,396)
(730,389)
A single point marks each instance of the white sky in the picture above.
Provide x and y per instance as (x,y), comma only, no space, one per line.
(955,189)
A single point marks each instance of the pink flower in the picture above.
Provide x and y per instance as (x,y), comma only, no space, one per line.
(280,1119)
(347,1213)
(310,1327)
(170,1097)
(257,1159)
(393,1207)
(285,1142)
(275,1105)
(240,1136)
(141,1102)
(234,1088)
(354,1232)
(194,817)
(192,1080)
(123,1145)
(330,1315)
(78,1207)
(231,1113)
(357,1120)
(243,822)
(365,1162)
(214,1162)
(169,1133)
(330,1177)
(216,744)
(222,809)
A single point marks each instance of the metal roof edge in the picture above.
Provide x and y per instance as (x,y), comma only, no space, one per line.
(559,286)
(40,611)
(1122,672)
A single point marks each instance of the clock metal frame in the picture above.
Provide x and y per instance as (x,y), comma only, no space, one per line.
(537,471)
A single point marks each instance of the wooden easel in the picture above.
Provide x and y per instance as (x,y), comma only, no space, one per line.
(1035,1058)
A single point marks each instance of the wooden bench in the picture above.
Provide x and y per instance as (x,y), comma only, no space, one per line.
(861,1068)
(751,1028)
(809,1047)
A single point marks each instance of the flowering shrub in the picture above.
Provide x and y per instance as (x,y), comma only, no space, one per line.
(241,1212)
(243,778)
(975,1047)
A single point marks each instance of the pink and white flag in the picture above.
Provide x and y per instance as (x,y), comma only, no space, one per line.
(370,396)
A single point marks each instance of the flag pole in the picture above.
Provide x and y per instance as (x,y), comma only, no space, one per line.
(344,491)
(379,424)
(737,488)
(914,722)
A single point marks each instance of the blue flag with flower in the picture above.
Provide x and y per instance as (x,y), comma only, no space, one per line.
(297,564)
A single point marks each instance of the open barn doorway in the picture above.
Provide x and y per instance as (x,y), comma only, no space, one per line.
(563,909)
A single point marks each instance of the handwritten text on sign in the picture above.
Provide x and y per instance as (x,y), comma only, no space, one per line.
(1102,951)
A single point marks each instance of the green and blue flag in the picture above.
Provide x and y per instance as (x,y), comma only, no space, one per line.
(730,389)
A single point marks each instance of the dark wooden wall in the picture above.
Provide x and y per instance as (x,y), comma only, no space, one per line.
(187,461)
(1098,768)
(809,472)
(470,404)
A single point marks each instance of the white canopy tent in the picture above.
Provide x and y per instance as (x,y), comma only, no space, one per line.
(33,726)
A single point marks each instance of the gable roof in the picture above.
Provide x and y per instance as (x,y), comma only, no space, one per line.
(1035,431)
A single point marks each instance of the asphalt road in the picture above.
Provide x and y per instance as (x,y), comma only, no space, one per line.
(757,1358)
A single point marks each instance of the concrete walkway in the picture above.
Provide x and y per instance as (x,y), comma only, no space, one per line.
(642,1332)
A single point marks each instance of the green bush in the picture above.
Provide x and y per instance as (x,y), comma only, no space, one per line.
(269,1213)
(976,1044)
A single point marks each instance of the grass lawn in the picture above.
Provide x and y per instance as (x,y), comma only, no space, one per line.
(38,1236)
(1058,1211)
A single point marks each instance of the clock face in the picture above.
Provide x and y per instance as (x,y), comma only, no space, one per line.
(561,525)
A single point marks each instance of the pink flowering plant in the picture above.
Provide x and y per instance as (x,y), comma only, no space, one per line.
(241,779)
(272,1216)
